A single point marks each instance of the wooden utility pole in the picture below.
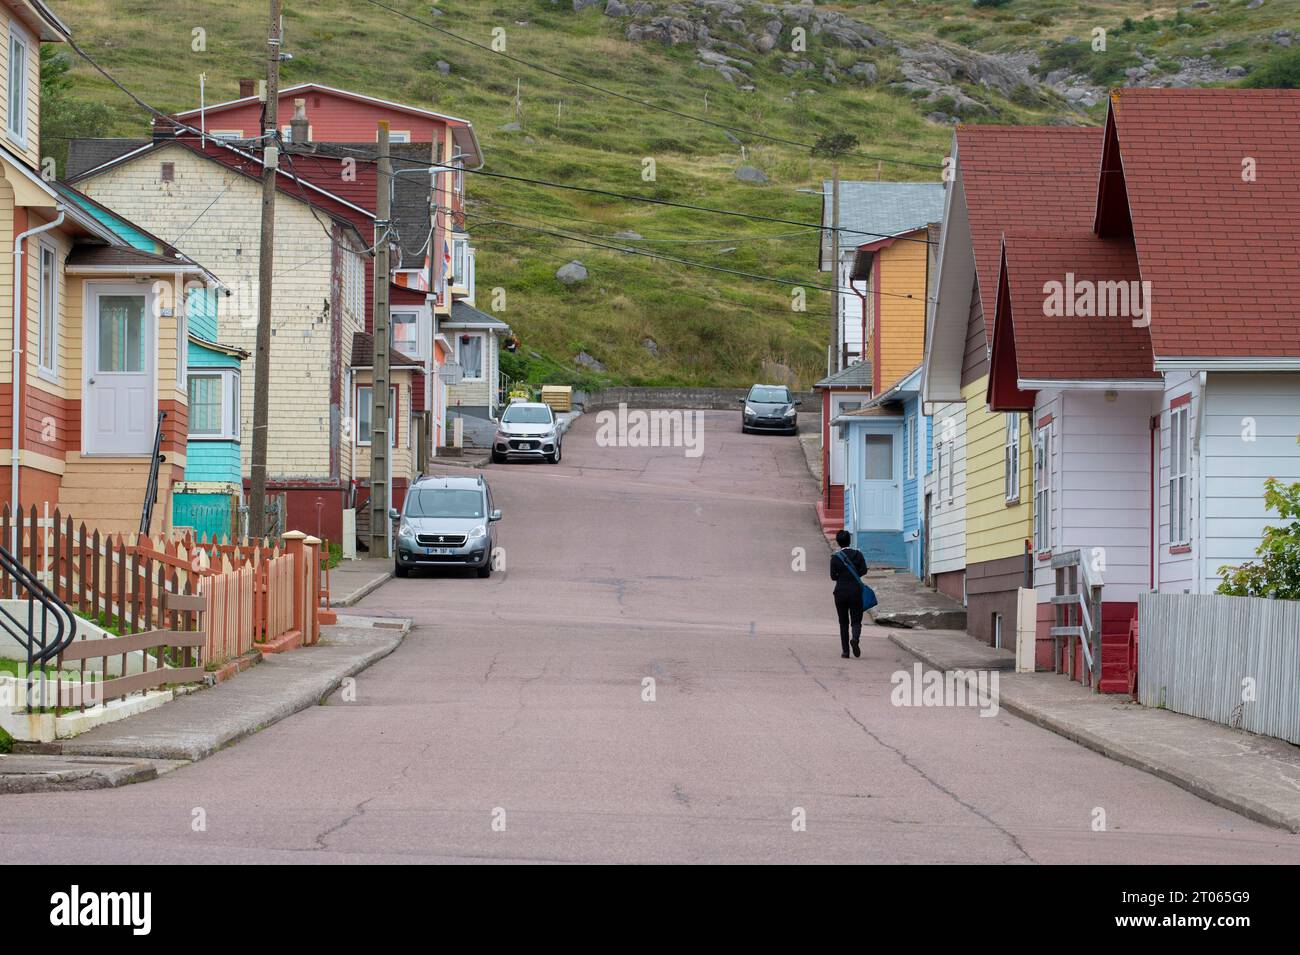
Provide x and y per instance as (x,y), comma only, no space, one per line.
(265,263)
(380,442)
(835,269)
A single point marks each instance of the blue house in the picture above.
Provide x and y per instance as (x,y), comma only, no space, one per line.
(209,499)
(888,443)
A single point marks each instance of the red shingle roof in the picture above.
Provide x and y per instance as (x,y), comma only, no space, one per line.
(1221,253)
(1061,346)
(1024,177)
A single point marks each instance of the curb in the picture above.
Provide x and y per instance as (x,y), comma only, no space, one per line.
(96,774)
(1195,785)
(365,590)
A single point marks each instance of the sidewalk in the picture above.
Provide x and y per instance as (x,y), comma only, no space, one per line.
(200,723)
(1256,776)
(353,579)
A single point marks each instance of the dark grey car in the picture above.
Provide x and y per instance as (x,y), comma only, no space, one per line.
(769,408)
(446,522)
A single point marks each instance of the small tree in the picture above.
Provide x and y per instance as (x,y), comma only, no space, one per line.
(1276,572)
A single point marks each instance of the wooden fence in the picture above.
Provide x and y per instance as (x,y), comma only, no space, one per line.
(248,594)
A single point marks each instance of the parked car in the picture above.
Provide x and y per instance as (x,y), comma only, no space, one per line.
(527,429)
(769,408)
(446,522)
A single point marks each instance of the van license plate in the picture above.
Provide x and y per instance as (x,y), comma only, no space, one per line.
(438,550)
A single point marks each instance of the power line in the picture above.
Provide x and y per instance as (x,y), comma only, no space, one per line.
(690,207)
(689,262)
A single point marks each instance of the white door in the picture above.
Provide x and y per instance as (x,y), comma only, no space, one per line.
(880,506)
(118,405)
(839,405)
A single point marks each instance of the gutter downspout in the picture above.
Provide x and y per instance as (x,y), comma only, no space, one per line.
(20,308)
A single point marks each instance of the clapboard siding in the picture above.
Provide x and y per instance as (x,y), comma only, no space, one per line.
(948,519)
(1248,434)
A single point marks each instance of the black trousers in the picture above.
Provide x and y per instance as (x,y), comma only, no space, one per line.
(849,610)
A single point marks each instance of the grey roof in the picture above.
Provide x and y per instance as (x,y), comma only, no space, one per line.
(410,210)
(87,154)
(857,375)
(462,314)
(879,210)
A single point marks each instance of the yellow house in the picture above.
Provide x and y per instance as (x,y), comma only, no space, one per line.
(94,330)
(1002,178)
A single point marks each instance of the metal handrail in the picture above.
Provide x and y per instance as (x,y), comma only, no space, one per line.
(39,649)
(151,488)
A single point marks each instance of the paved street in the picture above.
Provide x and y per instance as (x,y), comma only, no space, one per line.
(524,693)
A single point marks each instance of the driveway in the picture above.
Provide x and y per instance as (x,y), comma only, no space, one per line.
(516,721)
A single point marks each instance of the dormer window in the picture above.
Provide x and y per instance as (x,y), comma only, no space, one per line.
(18,65)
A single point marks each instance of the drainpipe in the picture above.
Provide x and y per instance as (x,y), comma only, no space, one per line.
(20,307)
(862,297)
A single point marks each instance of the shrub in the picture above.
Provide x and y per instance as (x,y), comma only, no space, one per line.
(1279,71)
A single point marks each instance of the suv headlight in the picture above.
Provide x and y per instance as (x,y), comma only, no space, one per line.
(477,532)
(790,412)
(749,410)
(406,530)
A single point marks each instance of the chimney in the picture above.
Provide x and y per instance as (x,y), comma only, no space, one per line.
(298,126)
(247,88)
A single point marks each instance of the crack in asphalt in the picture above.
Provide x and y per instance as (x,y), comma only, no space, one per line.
(907,761)
(358,810)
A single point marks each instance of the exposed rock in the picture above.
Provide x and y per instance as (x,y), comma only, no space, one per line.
(588,362)
(616,9)
(510,128)
(751,174)
(443,67)
(628,234)
(866,72)
(571,273)
(650,345)
(764,43)
(583,4)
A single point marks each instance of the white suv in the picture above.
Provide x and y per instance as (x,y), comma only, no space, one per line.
(527,429)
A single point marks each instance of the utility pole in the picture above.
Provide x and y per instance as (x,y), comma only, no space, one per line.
(265,262)
(380,443)
(832,147)
(835,269)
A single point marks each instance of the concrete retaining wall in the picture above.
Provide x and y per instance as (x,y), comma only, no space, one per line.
(703,399)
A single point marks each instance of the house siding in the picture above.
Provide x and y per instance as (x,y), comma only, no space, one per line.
(948,519)
(994,528)
(902,274)
(302,418)
(1236,464)
(29,149)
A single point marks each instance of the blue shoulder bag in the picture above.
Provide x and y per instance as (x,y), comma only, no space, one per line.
(868,595)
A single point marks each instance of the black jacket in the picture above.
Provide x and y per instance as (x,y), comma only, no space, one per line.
(845,585)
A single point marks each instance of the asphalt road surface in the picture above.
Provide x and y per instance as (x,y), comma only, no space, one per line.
(514,724)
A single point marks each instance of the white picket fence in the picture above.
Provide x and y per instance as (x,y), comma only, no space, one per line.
(1233,660)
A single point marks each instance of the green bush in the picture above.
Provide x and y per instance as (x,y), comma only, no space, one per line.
(1279,71)
(1276,572)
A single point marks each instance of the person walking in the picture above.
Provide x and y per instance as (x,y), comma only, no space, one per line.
(847,567)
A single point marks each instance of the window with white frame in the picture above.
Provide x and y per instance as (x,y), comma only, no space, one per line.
(48,347)
(469,353)
(938,474)
(909,445)
(365,408)
(1011,457)
(19,51)
(406,333)
(214,404)
(1179,465)
(354,284)
(1043,488)
(952,467)
(458,252)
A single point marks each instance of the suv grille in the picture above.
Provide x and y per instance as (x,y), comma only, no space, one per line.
(440,540)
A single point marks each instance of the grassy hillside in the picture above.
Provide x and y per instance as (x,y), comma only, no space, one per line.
(705,327)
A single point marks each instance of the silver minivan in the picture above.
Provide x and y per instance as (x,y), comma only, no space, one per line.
(446,521)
